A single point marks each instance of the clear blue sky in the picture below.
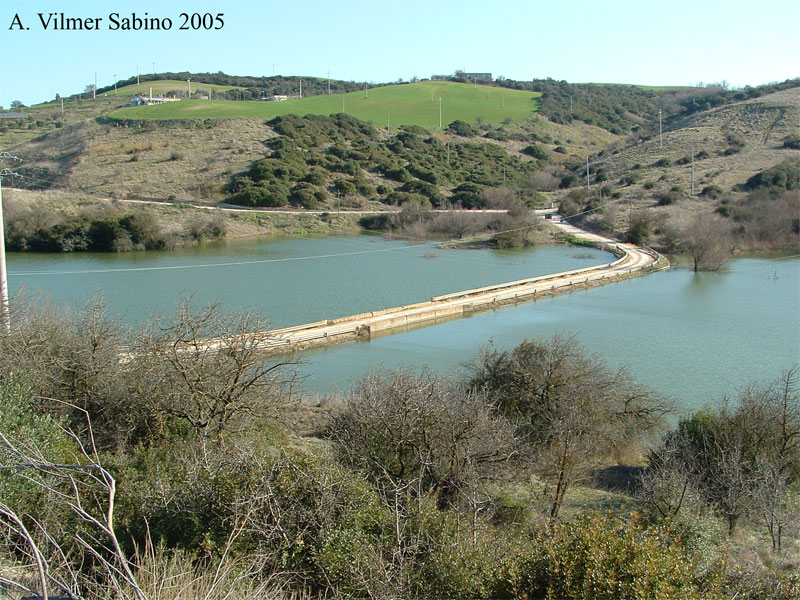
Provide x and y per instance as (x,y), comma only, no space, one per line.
(640,42)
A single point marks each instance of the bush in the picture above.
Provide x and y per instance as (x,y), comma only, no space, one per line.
(535,151)
(664,162)
(712,191)
(462,128)
(605,557)
(568,181)
(785,175)
(792,141)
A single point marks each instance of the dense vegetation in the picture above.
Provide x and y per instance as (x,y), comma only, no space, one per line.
(316,157)
(31,227)
(169,470)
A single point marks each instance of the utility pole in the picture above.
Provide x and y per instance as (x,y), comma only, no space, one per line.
(329,83)
(5,317)
(587,172)
(366,94)
(94,91)
(660,136)
(301,88)
(115,84)
(137,75)
(189,81)
(62,107)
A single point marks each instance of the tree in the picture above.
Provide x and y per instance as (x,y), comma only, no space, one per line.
(743,456)
(209,372)
(639,229)
(415,435)
(572,410)
(16,104)
(709,241)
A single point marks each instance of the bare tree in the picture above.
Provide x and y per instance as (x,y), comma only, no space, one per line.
(743,456)
(88,490)
(419,435)
(209,371)
(710,243)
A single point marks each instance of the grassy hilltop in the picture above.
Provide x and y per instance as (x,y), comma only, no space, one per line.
(408,104)
(162,86)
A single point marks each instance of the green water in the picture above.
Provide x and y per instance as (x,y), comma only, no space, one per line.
(695,337)
(288,282)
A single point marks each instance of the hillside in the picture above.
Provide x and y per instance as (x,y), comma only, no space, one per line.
(406,104)
(341,162)
(731,144)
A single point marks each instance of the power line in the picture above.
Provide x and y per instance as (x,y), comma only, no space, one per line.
(226,264)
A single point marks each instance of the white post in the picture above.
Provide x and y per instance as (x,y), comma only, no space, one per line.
(4,314)
(660,137)
(587,172)
(5,318)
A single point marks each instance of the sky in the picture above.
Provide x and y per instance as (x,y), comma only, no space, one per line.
(635,42)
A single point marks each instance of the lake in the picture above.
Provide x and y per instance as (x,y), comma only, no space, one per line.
(692,336)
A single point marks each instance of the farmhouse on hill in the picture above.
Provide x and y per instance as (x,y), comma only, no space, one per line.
(472,77)
(142,100)
(12,116)
(475,77)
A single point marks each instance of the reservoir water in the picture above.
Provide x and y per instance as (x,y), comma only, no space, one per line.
(692,336)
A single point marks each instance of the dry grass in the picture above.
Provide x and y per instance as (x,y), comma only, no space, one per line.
(160,161)
(760,124)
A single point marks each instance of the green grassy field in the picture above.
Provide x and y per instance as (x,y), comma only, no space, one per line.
(167,85)
(407,104)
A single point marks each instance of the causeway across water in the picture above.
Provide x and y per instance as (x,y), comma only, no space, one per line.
(632,261)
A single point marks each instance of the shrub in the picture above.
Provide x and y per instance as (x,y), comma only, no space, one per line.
(462,128)
(785,175)
(792,141)
(535,151)
(344,187)
(711,191)
(605,557)
(664,162)
(560,149)
(568,181)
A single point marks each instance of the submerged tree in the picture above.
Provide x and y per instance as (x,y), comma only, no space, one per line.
(710,243)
